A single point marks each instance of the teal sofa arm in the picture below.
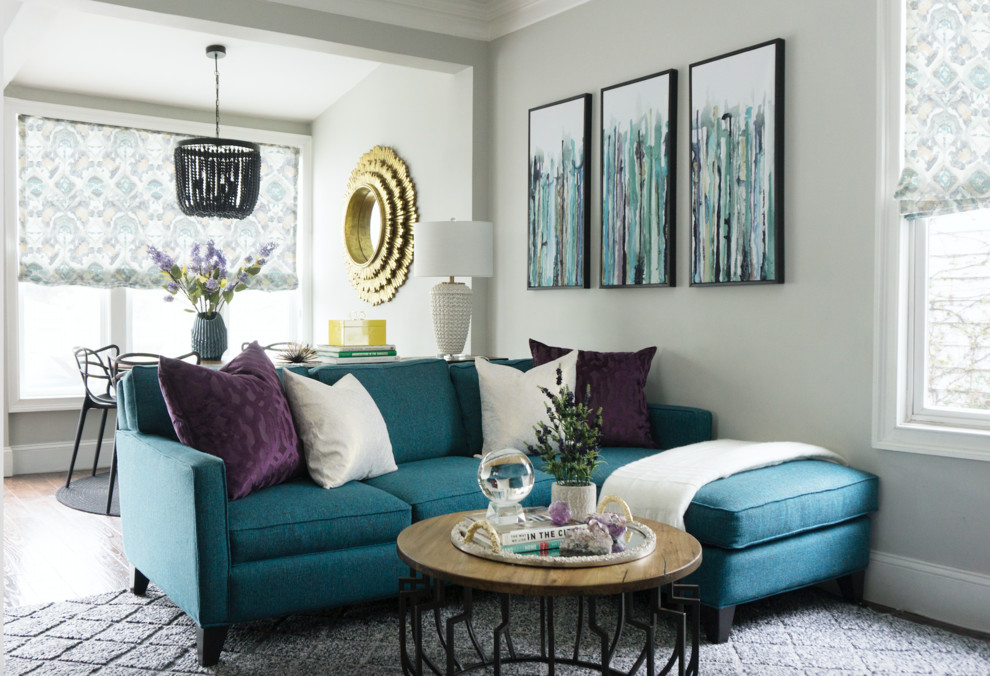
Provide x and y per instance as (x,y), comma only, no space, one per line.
(173,508)
(673,426)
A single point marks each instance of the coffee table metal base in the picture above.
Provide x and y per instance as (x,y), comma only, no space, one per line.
(419,595)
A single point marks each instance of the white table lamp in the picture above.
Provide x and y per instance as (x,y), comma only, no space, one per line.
(452,249)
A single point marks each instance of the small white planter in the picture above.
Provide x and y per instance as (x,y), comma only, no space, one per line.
(581,499)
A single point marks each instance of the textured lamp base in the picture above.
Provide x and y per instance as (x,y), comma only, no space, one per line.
(451,316)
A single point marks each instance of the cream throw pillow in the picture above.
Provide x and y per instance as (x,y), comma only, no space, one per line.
(512,403)
(342,431)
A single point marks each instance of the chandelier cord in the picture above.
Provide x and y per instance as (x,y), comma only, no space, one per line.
(216,73)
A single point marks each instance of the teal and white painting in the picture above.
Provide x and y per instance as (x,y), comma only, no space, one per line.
(736,162)
(559,183)
(638,137)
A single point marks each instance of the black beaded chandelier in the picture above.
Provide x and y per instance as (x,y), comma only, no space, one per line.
(217,177)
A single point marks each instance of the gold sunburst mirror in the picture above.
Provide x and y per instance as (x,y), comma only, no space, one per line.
(379,212)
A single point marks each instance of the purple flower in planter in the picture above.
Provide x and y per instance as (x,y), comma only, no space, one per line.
(208,295)
(195,258)
(267,250)
(162,260)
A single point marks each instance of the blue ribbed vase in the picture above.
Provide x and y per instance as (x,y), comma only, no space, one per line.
(209,336)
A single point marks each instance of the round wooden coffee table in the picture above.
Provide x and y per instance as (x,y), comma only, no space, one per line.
(426,548)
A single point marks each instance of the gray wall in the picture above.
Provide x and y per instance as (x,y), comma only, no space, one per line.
(773,362)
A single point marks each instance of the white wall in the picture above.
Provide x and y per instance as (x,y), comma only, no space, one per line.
(792,361)
(426,117)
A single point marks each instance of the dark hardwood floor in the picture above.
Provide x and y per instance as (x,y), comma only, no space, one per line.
(52,552)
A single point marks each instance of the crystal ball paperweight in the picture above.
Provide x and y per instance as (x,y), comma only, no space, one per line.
(506,477)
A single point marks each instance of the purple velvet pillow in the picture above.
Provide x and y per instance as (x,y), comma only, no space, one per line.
(238,413)
(617,381)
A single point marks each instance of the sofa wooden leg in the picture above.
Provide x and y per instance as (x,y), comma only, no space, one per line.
(209,643)
(717,622)
(851,586)
(140,583)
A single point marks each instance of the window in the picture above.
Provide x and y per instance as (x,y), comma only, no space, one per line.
(52,322)
(952,373)
(93,190)
(933,247)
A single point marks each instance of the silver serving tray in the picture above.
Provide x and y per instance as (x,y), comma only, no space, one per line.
(641,541)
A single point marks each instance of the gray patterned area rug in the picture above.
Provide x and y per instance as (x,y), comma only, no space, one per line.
(804,633)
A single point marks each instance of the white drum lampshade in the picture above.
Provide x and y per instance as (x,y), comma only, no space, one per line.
(452,249)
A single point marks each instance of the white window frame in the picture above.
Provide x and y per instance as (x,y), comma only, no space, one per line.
(900,421)
(118,317)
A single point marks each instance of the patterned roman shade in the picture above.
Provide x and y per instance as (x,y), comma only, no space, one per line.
(947,108)
(92,197)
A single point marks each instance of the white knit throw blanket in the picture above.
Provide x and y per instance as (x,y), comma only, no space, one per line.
(662,486)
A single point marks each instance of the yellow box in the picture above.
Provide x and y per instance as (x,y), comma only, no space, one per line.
(357,332)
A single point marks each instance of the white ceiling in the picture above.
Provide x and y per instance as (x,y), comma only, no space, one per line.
(56,46)
(106,56)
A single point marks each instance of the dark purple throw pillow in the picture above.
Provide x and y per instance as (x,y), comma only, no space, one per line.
(617,381)
(239,414)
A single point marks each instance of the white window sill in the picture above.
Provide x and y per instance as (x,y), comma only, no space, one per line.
(42,405)
(937,440)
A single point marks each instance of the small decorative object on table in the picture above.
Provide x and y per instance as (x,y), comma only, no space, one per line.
(569,447)
(296,353)
(560,512)
(208,285)
(604,532)
(506,477)
(356,331)
(592,540)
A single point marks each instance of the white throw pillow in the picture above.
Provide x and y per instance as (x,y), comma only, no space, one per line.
(342,431)
(512,403)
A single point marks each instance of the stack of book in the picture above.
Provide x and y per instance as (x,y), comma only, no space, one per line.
(355,354)
(538,536)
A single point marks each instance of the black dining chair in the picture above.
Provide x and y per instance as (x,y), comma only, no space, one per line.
(95,367)
(118,367)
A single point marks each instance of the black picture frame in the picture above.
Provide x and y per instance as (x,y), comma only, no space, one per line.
(559,192)
(638,182)
(737,179)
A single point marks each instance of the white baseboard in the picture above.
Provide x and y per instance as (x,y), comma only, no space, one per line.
(53,457)
(950,595)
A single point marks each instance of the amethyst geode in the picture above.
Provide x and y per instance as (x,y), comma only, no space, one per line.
(560,512)
(591,540)
(614,523)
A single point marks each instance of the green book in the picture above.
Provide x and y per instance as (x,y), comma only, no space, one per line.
(356,353)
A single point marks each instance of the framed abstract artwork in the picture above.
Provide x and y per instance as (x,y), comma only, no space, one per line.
(737,160)
(638,161)
(559,190)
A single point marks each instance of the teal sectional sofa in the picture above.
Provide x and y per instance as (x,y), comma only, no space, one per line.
(297,547)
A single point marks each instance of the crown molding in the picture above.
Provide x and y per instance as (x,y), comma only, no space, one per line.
(508,16)
(474,19)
